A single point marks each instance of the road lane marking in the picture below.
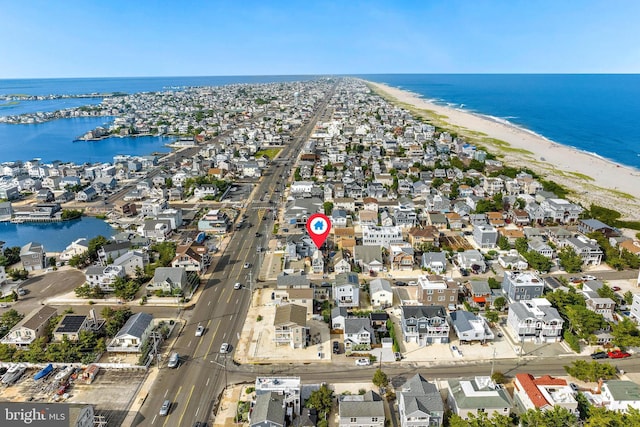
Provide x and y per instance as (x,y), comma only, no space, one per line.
(186,405)
(189,345)
(154,418)
(209,303)
(237,301)
(197,409)
(207,384)
(166,392)
(212,339)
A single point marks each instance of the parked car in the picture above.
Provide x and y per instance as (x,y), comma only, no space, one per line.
(616,288)
(199,330)
(224,348)
(617,354)
(164,409)
(398,356)
(588,277)
(574,387)
(237,286)
(336,347)
(599,355)
(400,283)
(363,362)
(174,360)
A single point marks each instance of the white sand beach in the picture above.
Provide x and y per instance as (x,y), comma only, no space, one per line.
(590,178)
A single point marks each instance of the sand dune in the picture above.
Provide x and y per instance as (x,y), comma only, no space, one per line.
(591,179)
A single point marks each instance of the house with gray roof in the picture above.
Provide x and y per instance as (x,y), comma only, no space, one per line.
(268,411)
(470,327)
(358,334)
(346,290)
(424,324)
(285,281)
(30,327)
(368,257)
(420,403)
(472,260)
(338,317)
(172,280)
(519,286)
(33,256)
(535,320)
(588,249)
(290,325)
(366,410)
(435,261)
(133,334)
(479,394)
(381,293)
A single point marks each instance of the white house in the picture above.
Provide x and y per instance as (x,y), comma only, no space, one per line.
(381,293)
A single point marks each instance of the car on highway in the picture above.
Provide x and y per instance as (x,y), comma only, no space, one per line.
(257,234)
(164,409)
(199,330)
(617,354)
(237,286)
(224,348)
(599,355)
(247,265)
(174,360)
(363,362)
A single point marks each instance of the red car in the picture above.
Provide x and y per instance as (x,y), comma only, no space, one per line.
(617,354)
(616,288)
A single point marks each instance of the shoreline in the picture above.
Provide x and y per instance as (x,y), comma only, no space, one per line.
(590,177)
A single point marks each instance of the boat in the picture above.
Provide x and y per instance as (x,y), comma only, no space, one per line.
(43,372)
(201,237)
(64,374)
(14,372)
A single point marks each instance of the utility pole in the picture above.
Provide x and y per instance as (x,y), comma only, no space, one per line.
(250,290)
(493,361)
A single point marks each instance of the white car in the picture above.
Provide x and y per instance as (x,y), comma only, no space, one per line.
(247,265)
(363,362)
(587,277)
(199,330)
(237,286)
(224,348)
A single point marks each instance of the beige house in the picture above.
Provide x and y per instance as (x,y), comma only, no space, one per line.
(290,324)
(302,297)
(30,328)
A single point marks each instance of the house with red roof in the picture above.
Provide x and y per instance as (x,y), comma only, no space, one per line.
(543,393)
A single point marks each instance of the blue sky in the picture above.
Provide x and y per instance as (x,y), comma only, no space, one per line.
(174,38)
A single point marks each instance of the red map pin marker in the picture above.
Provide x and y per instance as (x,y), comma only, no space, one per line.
(318,227)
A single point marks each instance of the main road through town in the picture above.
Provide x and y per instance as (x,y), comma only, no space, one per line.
(195,385)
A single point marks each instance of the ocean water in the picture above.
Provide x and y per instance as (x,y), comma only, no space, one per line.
(55,236)
(596,113)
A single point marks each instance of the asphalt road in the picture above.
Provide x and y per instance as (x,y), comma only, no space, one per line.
(194,387)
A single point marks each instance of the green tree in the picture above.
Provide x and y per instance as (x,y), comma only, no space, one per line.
(480,420)
(570,260)
(499,303)
(625,333)
(380,379)
(8,320)
(583,321)
(115,319)
(6,352)
(522,246)
(538,261)
(493,283)
(491,316)
(11,256)
(18,274)
(95,244)
(590,371)
(556,417)
(321,400)
(503,243)
(606,292)
(328,208)
(628,297)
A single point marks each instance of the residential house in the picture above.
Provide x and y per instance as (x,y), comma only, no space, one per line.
(586,226)
(33,256)
(470,327)
(299,296)
(603,306)
(133,262)
(358,334)
(364,410)
(346,290)
(269,410)
(107,253)
(615,395)
(479,292)
(587,249)
(472,260)
(338,317)
(544,393)
(77,247)
(317,262)
(30,328)
(71,325)
(133,334)
(535,320)
(437,220)
(381,293)
(124,208)
(424,324)
(169,280)
(192,257)
(340,263)
(560,210)
(288,387)
(381,236)
(87,195)
(401,257)
(474,395)
(635,307)
(519,217)
(157,230)
(420,403)
(519,286)
(485,236)
(368,257)
(436,262)
(214,221)
(103,277)
(454,220)
(290,326)
(437,290)
(342,233)
(538,244)
(512,261)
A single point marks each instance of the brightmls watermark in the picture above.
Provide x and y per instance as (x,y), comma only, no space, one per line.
(34,414)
